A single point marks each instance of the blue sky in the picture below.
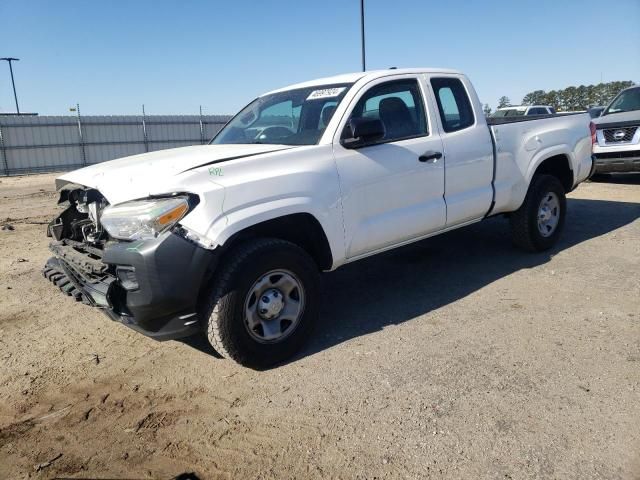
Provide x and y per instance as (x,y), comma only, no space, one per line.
(112,56)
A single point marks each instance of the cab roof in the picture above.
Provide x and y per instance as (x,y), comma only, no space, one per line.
(369,75)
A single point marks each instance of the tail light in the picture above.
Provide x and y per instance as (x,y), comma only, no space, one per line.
(592,129)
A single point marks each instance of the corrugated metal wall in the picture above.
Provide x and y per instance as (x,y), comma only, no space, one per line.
(30,144)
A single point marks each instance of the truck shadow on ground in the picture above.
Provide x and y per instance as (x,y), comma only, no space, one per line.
(617,178)
(402,284)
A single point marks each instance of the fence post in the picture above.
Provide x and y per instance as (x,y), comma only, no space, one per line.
(82,150)
(5,161)
(144,130)
(201,128)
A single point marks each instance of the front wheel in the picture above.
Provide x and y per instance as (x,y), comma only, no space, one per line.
(263,303)
(538,223)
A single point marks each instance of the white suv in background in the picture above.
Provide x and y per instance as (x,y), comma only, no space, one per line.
(616,145)
(523,110)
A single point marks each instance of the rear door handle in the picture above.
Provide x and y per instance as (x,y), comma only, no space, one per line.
(430,156)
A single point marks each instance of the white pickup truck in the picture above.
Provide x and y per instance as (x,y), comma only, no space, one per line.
(228,239)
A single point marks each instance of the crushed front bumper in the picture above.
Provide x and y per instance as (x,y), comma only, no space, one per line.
(151,286)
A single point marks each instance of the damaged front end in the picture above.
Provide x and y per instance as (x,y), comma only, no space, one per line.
(78,246)
(141,270)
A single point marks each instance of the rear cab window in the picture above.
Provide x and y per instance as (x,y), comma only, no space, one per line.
(453,102)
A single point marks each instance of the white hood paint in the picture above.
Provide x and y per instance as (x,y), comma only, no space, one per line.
(633,115)
(153,173)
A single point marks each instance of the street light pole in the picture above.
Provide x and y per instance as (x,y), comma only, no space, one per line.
(15,96)
(364,65)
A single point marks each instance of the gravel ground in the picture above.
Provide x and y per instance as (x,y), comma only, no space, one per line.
(457,357)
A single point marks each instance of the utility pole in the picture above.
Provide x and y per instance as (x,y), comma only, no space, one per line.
(364,64)
(15,96)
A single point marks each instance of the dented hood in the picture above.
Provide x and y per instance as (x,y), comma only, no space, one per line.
(140,176)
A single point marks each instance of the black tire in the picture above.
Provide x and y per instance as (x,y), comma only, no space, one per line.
(524,221)
(224,307)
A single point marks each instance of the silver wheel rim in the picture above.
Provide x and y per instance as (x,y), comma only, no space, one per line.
(273,306)
(548,214)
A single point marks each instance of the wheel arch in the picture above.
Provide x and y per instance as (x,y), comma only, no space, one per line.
(557,164)
(300,228)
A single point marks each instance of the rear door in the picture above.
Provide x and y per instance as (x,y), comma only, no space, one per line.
(468,150)
(390,194)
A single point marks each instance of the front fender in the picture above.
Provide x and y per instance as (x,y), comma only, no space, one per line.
(247,216)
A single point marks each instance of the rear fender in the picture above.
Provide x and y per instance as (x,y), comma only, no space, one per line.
(545,154)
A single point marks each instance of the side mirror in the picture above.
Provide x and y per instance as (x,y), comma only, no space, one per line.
(364,131)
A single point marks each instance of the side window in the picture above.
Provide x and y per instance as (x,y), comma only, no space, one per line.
(453,103)
(398,105)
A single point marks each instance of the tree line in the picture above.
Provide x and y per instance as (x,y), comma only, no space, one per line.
(572,98)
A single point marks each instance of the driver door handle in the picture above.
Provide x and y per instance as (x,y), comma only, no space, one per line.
(431,156)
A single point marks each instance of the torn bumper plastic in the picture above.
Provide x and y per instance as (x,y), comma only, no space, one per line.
(151,286)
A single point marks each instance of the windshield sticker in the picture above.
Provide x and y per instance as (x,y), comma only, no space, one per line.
(216,171)
(325,93)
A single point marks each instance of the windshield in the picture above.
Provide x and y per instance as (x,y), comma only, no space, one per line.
(509,112)
(292,117)
(626,101)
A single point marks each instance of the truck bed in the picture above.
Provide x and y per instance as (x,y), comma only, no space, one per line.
(521,142)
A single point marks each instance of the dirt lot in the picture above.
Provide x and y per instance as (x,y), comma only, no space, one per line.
(458,357)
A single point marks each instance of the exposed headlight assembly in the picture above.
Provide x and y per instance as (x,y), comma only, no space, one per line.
(143,219)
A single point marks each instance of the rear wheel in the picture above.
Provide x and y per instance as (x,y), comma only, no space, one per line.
(263,303)
(538,223)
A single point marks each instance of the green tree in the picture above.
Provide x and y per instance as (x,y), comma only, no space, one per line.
(576,98)
(486,109)
(504,102)
(537,97)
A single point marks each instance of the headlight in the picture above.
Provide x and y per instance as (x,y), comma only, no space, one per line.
(143,218)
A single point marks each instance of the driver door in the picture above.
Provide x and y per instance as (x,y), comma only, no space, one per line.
(393,188)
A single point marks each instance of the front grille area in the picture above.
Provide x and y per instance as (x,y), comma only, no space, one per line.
(619,135)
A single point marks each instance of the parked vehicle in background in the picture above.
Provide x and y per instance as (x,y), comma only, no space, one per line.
(228,239)
(616,134)
(523,111)
(596,111)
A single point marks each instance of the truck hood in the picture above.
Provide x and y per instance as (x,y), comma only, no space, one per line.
(616,118)
(140,176)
